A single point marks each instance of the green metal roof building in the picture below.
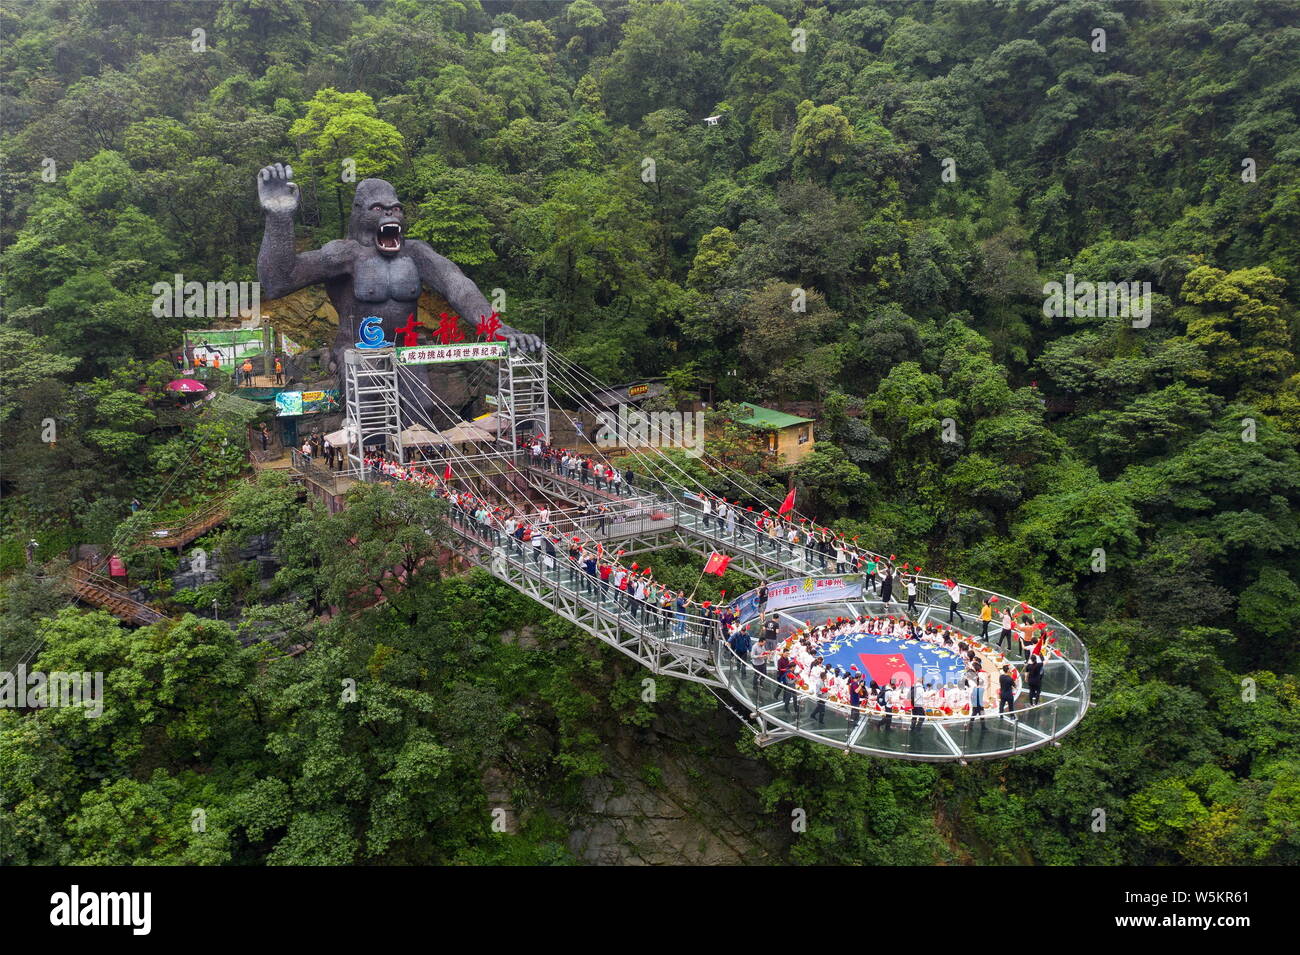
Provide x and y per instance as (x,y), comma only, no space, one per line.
(789,436)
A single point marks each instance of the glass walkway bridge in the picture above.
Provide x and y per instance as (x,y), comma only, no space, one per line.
(683,645)
(654,515)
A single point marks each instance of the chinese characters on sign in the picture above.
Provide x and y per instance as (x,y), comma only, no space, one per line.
(429,354)
(488,328)
(407,331)
(448,331)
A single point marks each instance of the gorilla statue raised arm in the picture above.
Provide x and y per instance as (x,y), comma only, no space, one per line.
(375,271)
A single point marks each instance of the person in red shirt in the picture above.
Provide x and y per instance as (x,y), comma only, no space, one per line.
(605,571)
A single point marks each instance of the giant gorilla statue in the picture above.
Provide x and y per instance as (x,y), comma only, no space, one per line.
(375,271)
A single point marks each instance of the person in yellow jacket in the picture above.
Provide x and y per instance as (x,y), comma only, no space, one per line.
(986,615)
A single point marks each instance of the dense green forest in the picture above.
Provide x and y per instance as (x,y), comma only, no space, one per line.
(920,170)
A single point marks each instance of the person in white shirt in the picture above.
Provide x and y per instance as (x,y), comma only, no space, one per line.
(954,596)
(893,703)
(1008,628)
(916,703)
(708,511)
(978,681)
(957,699)
(822,687)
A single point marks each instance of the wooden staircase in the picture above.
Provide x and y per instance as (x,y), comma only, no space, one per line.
(92,587)
(195,525)
(100,591)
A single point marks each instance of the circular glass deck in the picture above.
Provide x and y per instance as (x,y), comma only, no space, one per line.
(784,710)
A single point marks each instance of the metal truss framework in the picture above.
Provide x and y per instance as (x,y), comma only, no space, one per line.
(523,398)
(684,660)
(373,406)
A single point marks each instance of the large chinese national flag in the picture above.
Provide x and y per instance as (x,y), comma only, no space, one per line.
(885,668)
(717,563)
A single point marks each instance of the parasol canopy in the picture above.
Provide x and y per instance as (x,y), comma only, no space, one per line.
(188,385)
(340,438)
(464,432)
(417,435)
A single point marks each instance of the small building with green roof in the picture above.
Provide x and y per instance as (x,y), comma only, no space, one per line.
(788,436)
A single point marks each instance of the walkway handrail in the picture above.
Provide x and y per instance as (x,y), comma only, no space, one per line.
(1063,701)
(729,658)
(196,518)
(697,631)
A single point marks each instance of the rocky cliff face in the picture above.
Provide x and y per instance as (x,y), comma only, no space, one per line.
(673,792)
(682,807)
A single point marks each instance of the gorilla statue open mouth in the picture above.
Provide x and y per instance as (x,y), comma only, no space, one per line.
(389,237)
(372,273)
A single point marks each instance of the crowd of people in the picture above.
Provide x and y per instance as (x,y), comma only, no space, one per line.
(316,448)
(544,536)
(795,668)
(789,535)
(586,469)
(793,665)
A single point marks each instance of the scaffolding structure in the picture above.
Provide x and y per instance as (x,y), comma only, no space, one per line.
(523,398)
(374,411)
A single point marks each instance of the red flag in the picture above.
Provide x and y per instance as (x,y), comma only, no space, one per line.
(717,563)
(446,475)
(885,668)
(788,504)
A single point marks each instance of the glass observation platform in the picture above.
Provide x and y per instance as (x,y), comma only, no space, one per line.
(785,710)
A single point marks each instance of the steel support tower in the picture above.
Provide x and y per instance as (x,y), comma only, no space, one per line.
(523,401)
(373,406)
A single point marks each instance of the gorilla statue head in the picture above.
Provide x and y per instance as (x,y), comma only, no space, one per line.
(377,216)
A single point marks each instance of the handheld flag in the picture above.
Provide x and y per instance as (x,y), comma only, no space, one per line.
(788,504)
(717,563)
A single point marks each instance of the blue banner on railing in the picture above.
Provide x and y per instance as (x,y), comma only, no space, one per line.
(746,606)
(798,591)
